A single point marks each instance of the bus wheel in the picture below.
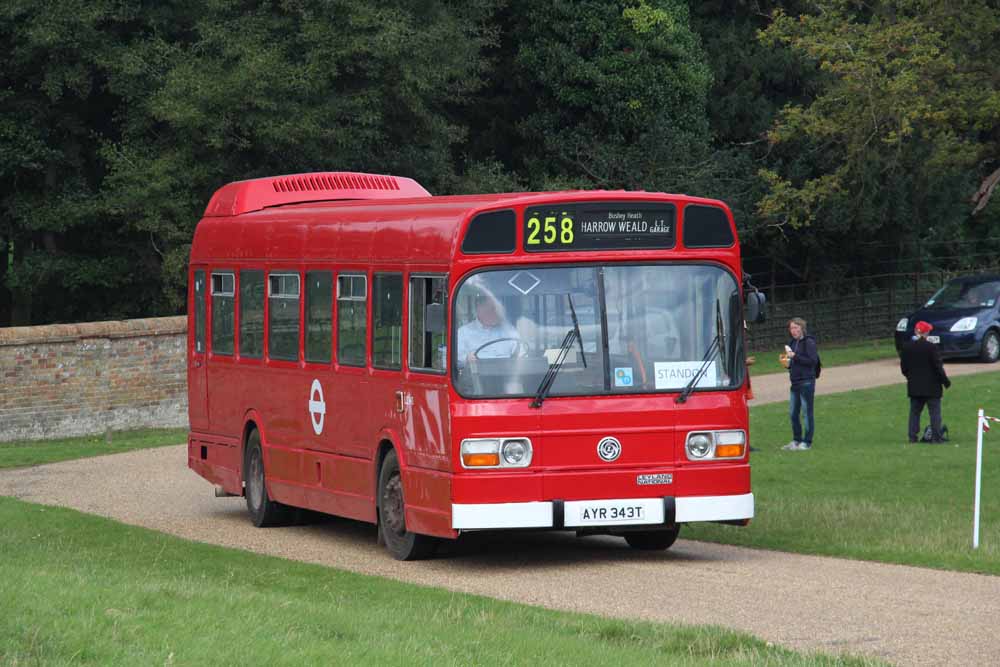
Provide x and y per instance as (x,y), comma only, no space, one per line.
(653,540)
(402,544)
(264,512)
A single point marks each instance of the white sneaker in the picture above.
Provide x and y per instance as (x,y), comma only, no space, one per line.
(792,446)
(803,447)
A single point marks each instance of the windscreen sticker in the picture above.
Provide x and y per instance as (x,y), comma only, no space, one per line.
(676,374)
(524,281)
(623,377)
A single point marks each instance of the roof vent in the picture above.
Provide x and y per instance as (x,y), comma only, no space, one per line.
(260,193)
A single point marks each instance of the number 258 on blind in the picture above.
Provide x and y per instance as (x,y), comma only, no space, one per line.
(549,230)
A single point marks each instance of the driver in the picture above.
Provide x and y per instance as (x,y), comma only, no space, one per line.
(489,325)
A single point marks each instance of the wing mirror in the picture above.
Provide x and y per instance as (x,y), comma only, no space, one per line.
(755,307)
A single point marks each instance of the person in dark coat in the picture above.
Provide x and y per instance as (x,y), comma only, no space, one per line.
(801,358)
(920,362)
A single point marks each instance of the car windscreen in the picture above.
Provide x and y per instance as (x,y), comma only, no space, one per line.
(618,329)
(965,294)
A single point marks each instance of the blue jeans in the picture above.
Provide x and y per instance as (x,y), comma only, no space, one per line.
(802,396)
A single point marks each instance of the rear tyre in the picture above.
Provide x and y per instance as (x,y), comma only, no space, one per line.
(401,543)
(990,351)
(653,540)
(264,512)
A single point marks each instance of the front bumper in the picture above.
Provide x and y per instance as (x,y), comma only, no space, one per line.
(559,514)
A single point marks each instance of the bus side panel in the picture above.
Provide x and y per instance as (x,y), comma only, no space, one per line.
(321,482)
(426,427)
(218,462)
(428,502)
(228,382)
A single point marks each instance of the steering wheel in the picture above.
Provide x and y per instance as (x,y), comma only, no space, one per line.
(522,346)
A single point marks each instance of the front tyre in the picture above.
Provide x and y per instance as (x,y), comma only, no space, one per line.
(401,543)
(990,350)
(264,512)
(653,540)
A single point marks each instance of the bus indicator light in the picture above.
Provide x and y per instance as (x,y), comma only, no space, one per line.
(481,460)
(728,451)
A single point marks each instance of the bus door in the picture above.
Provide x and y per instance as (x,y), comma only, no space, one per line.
(426,428)
(197,371)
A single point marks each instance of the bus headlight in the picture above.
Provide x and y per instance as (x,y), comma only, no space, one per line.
(709,445)
(496,453)
(699,445)
(516,453)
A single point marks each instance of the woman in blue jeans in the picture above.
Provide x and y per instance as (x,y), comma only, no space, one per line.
(802,358)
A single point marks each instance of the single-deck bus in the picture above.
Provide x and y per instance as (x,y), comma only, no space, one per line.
(436,365)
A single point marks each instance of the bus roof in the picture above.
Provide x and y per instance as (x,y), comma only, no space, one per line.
(330,215)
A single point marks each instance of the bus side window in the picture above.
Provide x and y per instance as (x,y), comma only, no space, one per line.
(283,316)
(252,314)
(223,312)
(428,350)
(387,320)
(199,312)
(319,316)
(352,319)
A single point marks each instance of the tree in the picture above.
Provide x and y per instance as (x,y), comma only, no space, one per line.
(595,94)
(121,119)
(906,124)
(61,258)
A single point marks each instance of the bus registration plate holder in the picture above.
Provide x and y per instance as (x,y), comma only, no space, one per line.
(624,512)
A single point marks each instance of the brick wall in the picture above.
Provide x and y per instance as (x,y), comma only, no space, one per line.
(77,379)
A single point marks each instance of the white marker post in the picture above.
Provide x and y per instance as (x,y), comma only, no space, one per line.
(979,476)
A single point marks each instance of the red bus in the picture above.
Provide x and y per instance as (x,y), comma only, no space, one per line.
(436,365)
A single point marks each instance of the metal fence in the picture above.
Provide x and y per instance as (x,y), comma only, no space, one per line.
(848,310)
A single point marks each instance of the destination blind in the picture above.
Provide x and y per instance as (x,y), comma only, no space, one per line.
(599,226)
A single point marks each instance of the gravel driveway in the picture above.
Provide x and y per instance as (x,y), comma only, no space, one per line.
(907,615)
(773,387)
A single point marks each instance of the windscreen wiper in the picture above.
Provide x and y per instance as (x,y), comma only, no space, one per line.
(713,347)
(576,328)
(550,375)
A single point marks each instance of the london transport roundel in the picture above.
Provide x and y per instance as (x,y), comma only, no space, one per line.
(317,407)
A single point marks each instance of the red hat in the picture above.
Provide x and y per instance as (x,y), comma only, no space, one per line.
(922,327)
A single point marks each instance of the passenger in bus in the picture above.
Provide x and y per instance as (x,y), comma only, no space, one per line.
(490,325)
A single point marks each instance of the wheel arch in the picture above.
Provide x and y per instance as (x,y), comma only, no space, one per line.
(385,446)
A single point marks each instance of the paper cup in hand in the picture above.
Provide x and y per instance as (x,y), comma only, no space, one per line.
(783,359)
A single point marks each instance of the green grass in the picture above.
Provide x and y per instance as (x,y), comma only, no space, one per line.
(832,355)
(864,492)
(84,590)
(35,452)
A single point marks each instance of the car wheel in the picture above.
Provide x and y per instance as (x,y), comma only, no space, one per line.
(401,543)
(264,512)
(653,540)
(990,351)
